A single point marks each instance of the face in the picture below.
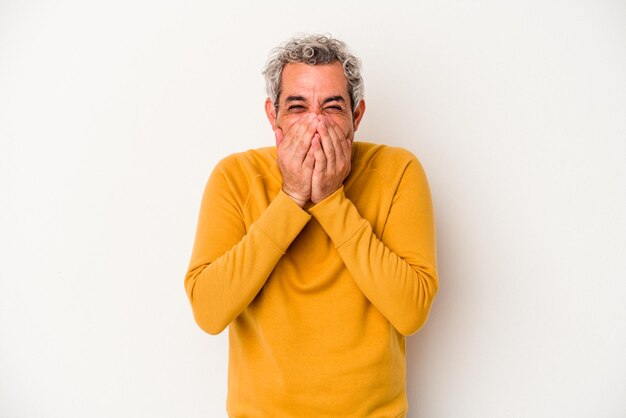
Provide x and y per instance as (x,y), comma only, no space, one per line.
(319,89)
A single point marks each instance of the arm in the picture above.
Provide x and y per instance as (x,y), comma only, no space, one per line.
(228,265)
(398,272)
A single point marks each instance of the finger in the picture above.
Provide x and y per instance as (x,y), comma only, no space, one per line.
(290,133)
(346,148)
(296,130)
(335,131)
(301,149)
(342,147)
(327,144)
(312,127)
(318,152)
(306,132)
(309,160)
(338,137)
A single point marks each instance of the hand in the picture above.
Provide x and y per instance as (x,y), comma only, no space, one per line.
(295,157)
(333,154)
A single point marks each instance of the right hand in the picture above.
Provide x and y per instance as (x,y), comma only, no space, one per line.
(295,157)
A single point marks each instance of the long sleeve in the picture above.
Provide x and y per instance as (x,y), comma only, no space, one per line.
(230,263)
(398,272)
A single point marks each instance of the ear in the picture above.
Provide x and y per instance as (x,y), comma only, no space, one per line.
(358,114)
(270,111)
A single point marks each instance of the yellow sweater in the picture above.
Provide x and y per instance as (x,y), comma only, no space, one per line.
(319,299)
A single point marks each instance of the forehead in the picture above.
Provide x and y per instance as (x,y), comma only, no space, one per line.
(311,80)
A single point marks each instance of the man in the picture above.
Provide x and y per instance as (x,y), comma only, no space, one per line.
(318,252)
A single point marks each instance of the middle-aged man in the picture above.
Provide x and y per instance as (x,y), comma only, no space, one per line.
(319,252)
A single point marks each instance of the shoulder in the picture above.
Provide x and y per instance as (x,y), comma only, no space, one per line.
(238,172)
(390,161)
(252,161)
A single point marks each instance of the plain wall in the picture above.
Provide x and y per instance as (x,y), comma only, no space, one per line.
(113,114)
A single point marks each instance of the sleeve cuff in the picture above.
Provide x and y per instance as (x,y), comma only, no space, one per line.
(338,216)
(282,221)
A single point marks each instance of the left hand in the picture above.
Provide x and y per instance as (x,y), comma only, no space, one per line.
(333,154)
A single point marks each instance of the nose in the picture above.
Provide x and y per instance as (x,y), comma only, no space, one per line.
(316,111)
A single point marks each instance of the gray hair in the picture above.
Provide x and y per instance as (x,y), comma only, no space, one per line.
(313,50)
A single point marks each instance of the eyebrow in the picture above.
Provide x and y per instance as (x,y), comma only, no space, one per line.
(294,99)
(326,100)
(334,99)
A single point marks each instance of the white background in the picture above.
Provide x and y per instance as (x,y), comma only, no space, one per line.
(113,114)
